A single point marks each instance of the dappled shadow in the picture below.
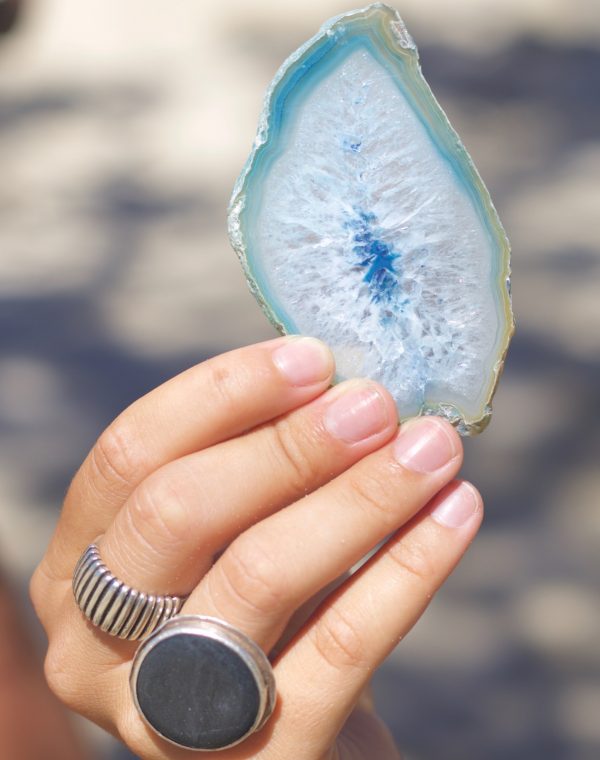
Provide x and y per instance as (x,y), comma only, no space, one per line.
(99,378)
(17,111)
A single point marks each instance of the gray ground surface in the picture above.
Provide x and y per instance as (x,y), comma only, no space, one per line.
(122,128)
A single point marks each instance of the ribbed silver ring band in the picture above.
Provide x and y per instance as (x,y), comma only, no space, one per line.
(113,606)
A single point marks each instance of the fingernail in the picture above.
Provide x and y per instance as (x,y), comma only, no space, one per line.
(304,361)
(425,446)
(457,507)
(357,414)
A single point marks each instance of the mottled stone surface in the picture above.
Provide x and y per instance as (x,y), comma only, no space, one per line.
(197,692)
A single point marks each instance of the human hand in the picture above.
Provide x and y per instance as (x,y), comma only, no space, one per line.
(249,485)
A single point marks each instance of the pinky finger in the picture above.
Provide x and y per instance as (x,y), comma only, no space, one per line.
(359,625)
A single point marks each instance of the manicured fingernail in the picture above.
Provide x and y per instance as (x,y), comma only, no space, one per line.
(425,446)
(304,361)
(457,507)
(356,414)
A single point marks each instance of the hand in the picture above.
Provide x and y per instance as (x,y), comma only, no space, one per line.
(247,484)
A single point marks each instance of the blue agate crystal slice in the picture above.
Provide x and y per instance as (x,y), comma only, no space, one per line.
(360,219)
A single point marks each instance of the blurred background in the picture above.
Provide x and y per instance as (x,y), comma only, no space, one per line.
(123,126)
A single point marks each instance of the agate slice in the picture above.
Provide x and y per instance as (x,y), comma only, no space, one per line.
(360,219)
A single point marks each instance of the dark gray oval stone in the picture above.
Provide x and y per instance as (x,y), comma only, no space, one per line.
(197,692)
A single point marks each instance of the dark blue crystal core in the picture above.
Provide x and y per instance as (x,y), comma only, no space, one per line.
(376,256)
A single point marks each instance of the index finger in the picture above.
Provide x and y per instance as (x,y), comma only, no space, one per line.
(205,405)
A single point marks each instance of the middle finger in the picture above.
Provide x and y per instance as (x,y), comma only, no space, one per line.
(165,537)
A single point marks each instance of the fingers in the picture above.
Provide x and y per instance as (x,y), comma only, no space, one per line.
(288,555)
(358,626)
(183,514)
(277,565)
(209,403)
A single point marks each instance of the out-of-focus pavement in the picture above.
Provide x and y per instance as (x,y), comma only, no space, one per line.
(122,128)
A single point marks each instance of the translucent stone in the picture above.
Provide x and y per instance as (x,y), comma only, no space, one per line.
(360,219)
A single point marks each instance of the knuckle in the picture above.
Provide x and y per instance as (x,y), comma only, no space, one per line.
(133,732)
(225,385)
(44,590)
(233,378)
(252,576)
(413,559)
(377,494)
(118,456)
(38,586)
(339,642)
(159,513)
(293,450)
(58,672)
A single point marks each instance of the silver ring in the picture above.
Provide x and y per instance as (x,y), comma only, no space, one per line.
(113,606)
(202,684)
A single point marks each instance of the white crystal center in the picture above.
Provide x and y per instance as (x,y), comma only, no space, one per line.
(373,244)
